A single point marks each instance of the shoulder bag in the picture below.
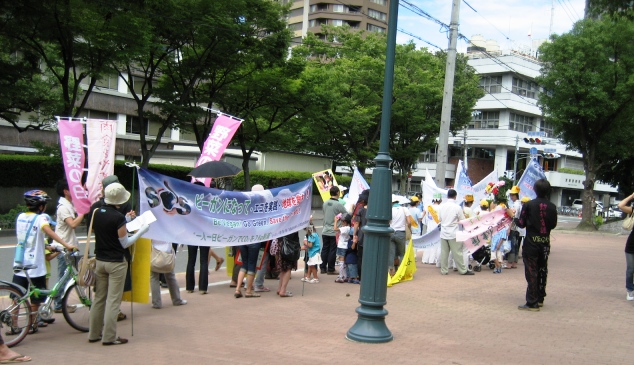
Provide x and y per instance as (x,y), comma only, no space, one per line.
(290,250)
(162,262)
(87,265)
(628,223)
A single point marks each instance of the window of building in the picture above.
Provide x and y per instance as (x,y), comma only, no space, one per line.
(524,88)
(133,125)
(295,26)
(318,7)
(491,84)
(375,28)
(546,128)
(521,123)
(337,8)
(108,82)
(485,120)
(428,156)
(377,14)
(380,2)
(97,114)
(336,22)
(486,153)
(354,9)
(296,12)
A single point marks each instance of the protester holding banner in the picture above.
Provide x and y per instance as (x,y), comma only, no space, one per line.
(67,221)
(129,214)
(431,220)
(450,213)
(283,265)
(514,236)
(401,220)
(416,214)
(539,217)
(331,208)
(111,244)
(360,220)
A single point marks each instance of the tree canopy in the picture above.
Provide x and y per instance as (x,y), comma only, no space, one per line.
(588,94)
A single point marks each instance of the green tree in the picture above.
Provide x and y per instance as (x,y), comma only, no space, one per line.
(270,101)
(418,94)
(345,86)
(588,97)
(71,41)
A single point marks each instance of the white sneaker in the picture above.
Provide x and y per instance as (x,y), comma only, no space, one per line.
(630,295)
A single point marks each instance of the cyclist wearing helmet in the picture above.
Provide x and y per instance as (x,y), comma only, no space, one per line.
(30,228)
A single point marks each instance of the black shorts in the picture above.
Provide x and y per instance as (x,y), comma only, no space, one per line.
(38,282)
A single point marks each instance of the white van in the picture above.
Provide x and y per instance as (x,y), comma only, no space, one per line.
(577,204)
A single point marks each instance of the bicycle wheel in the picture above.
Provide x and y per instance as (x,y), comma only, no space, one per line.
(15,317)
(76,306)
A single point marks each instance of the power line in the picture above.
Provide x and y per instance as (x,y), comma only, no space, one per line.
(566,11)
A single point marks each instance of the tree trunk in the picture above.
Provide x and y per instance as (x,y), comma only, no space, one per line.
(587,212)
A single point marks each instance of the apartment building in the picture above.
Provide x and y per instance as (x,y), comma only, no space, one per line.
(506,117)
(309,15)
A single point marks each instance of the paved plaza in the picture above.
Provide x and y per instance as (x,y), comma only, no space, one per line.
(434,319)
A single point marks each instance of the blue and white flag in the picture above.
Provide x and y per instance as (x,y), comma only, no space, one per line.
(532,173)
(462,183)
(196,215)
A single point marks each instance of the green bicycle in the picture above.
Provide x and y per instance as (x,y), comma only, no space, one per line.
(16,318)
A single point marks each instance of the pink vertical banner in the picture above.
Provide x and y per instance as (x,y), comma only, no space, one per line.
(101,138)
(221,133)
(71,136)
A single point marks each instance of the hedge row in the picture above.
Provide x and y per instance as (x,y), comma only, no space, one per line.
(21,170)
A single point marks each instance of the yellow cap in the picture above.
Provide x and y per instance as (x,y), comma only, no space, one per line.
(484,203)
(515,190)
(468,198)
(414,198)
(525,199)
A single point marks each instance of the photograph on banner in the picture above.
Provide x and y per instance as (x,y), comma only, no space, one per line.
(324,181)
(196,215)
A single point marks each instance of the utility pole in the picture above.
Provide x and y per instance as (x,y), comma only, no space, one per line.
(445,116)
(552,17)
(466,153)
(517,152)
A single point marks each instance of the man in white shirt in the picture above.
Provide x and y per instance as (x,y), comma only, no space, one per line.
(450,213)
(401,218)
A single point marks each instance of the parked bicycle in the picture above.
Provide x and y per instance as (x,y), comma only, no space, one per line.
(16,319)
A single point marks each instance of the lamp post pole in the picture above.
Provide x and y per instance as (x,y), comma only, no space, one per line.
(370,326)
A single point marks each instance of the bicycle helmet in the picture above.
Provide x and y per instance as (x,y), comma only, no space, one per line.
(34,198)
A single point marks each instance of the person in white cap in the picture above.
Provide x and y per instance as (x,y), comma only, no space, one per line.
(111,242)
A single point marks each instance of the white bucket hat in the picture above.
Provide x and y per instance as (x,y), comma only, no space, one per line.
(257,187)
(116,194)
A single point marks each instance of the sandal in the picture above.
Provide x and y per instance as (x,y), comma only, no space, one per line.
(285,295)
(238,294)
(16,359)
(219,263)
(261,289)
(251,295)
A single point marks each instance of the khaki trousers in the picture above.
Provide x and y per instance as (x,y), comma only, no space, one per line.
(110,279)
(456,248)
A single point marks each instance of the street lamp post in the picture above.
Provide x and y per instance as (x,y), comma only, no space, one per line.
(370,326)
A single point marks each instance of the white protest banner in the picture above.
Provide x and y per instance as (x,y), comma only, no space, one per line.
(196,215)
(101,136)
(428,240)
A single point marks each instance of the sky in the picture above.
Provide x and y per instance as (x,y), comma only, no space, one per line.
(509,22)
